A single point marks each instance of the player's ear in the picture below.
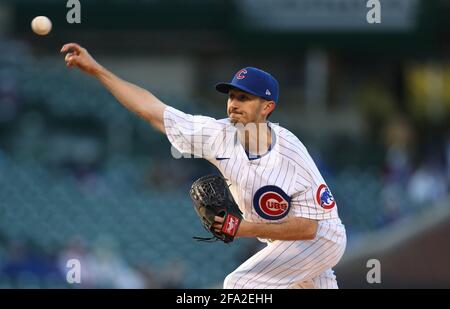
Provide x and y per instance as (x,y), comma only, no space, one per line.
(269,107)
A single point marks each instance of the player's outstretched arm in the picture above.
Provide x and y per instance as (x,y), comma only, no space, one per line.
(135,98)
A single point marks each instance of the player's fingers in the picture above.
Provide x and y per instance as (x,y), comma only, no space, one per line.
(73,46)
(72,60)
(218,219)
(68,46)
(217,227)
(68,57)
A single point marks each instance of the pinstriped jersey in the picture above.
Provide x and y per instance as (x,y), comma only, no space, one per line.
(283,182)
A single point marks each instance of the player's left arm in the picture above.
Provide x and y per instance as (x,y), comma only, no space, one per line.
(293,228)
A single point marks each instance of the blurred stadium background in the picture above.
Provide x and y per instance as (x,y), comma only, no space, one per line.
(81,177)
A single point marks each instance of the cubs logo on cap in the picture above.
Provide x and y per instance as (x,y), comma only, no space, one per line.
(324,197)
(241,74)
(271,203)
(253,81)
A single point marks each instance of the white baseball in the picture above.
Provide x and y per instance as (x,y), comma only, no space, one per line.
(41,25)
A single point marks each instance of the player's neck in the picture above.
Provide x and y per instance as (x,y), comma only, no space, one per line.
(256,138)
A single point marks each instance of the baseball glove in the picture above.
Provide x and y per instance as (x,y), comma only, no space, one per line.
(212,197)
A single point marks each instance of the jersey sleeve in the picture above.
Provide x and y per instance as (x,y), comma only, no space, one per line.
(313,200)
(189,134)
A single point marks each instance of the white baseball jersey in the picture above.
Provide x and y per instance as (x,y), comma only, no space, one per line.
(282,183)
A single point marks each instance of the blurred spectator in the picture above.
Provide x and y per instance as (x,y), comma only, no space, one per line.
(428,184)
(102,267)
(173,275)
(399,140)
(109,270)
(25,265)
(77,249)
(150,278)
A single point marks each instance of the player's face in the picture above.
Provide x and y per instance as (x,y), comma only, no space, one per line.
(244,107)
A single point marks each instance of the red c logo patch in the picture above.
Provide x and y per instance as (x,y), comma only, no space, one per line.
(241,74)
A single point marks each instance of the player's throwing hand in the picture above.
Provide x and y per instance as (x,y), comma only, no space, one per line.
(78,56)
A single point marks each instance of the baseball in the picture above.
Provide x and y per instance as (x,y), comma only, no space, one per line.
(41,25)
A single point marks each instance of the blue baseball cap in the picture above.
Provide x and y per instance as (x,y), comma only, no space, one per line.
(253,81)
